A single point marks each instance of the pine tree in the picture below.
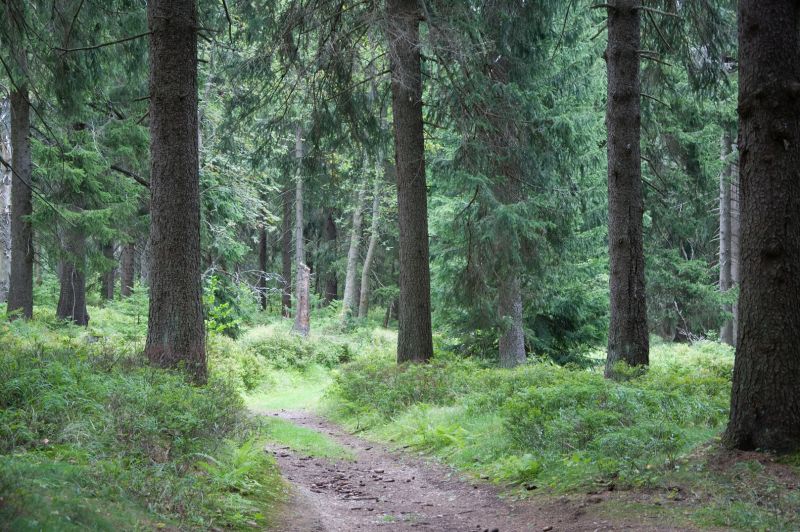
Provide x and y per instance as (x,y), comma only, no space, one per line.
(765,401)
(175,333)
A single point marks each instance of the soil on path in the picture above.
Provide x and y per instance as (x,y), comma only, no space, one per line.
(382,490)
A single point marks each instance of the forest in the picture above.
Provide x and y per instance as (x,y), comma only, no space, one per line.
(444,265)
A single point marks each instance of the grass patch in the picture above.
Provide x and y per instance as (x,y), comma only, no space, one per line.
(290,390)
(304,440)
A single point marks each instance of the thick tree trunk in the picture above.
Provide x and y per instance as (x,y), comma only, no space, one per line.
(286,253)
(349,299)
(126,259)
(363,300)
(414,338)
(303,280)
(262,266)
(627,335)
(20,292)
(726,332)
(5,198)
(107,281)
(735,239)
(176,331)
(512,339)
(331,236)
(765,400)
(72,295)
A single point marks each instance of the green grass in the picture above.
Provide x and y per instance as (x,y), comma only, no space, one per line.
(304,440)
(290,390)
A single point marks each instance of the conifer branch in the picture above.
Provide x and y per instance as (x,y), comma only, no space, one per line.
(105,44)
(142,181)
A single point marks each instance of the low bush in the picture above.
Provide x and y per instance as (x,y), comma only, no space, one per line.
(565,427)
(286,350)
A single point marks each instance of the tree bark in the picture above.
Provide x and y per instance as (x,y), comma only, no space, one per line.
(303,280)
(512,339)
(726,332)
(286,254)
(20,292)
(262,266)
(72,295)
(107,281)
(349,299)
(735,239)
(331,236)
(5,198)
(126,259)
(363,303)
(176,331)
(414,338)
(765,400)
(628,335)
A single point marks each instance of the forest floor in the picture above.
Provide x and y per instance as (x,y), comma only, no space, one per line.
(367,486)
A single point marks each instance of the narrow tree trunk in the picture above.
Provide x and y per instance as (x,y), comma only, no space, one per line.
(414,338)
(349,299)
(765,400)
(363,303)
(332,283)
(145,260)
(72,295)
(176,331)
(286,254)
(262,266)
(126,259)
(512,339)
(107,284)
(726,332)
(5,198)
(735,239)
(303,281)
(20,292)
(627,336)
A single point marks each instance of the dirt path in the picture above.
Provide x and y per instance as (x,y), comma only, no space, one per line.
(386,491)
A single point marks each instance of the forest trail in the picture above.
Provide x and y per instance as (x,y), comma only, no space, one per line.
(384,490)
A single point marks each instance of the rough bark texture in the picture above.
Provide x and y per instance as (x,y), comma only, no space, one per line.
(20,291)
(72,277)
(331,236)
(725,281)
(512,339)
(627,336)
(107,280)
(126,259)
(363,299)
(176,331)
(414,339)
(5,198)
(286,253)
(349,299)
(736,247)
(765,401)
(303,272)
(302,322)
(262,266)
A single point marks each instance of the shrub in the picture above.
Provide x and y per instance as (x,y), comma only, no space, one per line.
(287,350)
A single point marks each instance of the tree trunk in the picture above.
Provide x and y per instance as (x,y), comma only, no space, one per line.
(303,281)
(512,339)
(107,281)
(126,269)
(72,296)
(735,239)
(286,254)
(627,336)
(414,338)
(726,332)
(349,299)
(176,331)
(262,266)
(765,400)
(332,283)
(20,292)
(363,302)
(145,260)
(5,198)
